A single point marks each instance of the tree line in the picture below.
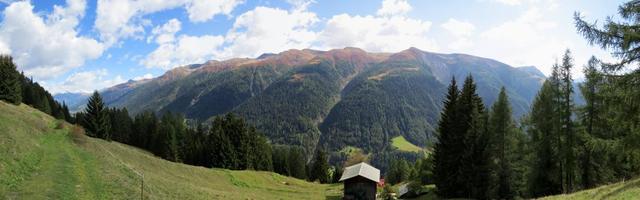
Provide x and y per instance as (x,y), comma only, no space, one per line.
(16,88)
(227,142)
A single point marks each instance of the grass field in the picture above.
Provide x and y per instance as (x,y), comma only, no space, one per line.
(623,190)
(403,145)
(38,161)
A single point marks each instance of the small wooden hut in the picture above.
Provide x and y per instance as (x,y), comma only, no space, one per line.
(360,181)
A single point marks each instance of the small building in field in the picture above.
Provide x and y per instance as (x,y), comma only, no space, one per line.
(360,181)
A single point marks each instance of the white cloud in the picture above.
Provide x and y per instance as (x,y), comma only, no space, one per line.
(165,33)
(46,46)
(510,2)
(85,81)
(461,31)
(116,19)
(185,50)
(254,32)
(526,40)
(394,7)
(389,31)
(143,77)
(300,4)
(270,30)
(204,10)
(547,4)
(459,28)
(373,33)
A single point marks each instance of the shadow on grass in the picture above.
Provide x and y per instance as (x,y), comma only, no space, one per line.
(334,197)
(621,190)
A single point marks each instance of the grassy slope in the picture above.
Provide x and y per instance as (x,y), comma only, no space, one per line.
(623,190)
(40,162)
(403,145)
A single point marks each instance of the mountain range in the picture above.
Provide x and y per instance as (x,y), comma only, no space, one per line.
(334,99)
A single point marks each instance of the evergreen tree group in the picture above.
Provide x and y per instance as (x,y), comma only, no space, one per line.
(475,156)
(15,88)
(228,143)
(10,79)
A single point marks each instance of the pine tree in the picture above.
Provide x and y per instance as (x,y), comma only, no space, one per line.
(567,126)
(96,117)
(264,153)
(472,123)
(447,153)
(503,129)
(320,168)
(281,160)
(297,163)
(10,81)
(223,153)
(546,175)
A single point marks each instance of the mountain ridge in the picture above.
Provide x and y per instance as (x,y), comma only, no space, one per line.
(335,98)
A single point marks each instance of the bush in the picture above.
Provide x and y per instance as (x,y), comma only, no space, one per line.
(387,193)
(60,124)
(78,135)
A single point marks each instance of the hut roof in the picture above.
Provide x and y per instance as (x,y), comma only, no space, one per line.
(361,169)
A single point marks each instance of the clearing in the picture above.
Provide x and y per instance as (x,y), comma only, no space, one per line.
(402,144)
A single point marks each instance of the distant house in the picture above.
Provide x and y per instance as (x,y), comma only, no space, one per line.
(360,181)
(381,183)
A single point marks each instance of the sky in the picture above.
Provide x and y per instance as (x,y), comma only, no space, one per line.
(84,45)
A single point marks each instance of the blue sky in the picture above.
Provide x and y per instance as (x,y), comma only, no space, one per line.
(82,45)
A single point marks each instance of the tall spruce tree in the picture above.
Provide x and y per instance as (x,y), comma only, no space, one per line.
(223,154)
(503,129)
(461,156)
(546,174)
(96,119)
(297,162)
(10,81)
(567,129)
(447,152)
(320,168)
(475,149)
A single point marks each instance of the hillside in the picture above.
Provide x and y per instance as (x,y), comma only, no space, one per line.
(623,190)
(38,161)
(337,98)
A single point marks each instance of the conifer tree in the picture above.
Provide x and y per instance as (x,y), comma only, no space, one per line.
(223,154)
(10,81)
(597,155)
(502,128)
(96,119)
(567,126)
(320,168)
(297,163)
(472,123)
(447,153)
(546,175)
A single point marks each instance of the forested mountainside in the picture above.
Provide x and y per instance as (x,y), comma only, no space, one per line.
(337,98)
